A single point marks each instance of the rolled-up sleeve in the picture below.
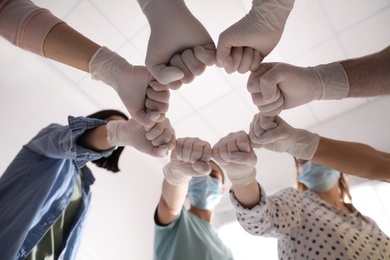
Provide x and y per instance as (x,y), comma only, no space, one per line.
(26,25)
(273,216)
(57,141)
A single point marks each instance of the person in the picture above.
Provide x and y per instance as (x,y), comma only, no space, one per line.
(317,222)
(182,233)
(37,30)
(278,86)
(179,46)
(243,45)
(45,191)
(349,157)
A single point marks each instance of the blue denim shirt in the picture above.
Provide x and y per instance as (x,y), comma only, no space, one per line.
(36,188)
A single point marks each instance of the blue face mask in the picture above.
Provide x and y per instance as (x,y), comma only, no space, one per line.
(204,192)
(317,177)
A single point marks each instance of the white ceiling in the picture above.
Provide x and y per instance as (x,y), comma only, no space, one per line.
(36,92)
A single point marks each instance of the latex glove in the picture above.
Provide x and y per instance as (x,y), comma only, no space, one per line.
(278,86)
(281,137)
(173,30)
(156,142)
(235,154)
(192,62)
(261,29)
(130,82)
(189,158)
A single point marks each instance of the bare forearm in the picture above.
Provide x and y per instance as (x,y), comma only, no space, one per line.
(171,201)
(353,158)
(66,45)
(369,75)
(95,139)
(248,196)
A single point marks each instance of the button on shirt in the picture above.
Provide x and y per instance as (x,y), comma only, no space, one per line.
(37,186)
(308,228)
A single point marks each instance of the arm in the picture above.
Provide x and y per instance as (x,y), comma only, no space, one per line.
(234,153)
(353,158)
(174,30)
(368,76)
(349,157)
(37,30)
(278,86)
(189,158)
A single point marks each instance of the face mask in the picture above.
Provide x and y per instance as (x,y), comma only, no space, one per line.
(204,192)
(317,177)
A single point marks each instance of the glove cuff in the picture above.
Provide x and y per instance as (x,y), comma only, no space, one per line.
(174,177)
(305,145)
(333,80)
(243,179)
(106,65)
(112,137)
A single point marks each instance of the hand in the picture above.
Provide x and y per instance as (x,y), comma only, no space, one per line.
(192,62)
(235,154)
(189,158)
(276,135)
(278,86)
(130,82)
(156,142)
(246,43)
(173,30)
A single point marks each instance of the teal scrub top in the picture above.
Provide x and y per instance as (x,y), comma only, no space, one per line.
(188,237)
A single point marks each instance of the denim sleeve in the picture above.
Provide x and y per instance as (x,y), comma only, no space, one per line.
(57,141)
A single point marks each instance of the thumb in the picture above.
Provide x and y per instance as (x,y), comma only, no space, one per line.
(205,54)
(202,167)
(224,59)
(165,74)
(147,119)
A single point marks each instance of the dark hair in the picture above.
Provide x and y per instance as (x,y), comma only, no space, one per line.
(109,163)
(220,169)
(343,186)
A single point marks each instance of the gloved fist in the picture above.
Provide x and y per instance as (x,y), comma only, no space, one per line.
(156,142)
(235,154)
(276,135)
(192,62)
(259,31)
(131,83)
(189,158)
(173,30)
(278,86)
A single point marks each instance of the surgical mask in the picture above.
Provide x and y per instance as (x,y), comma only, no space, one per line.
(317,177)
(204,192)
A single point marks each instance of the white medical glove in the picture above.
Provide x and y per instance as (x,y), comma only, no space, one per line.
(156,142)
(130,82)
(173,30)
(261,29)
(189,158)
(192,62)
(235,154)
(278,86)
(276,135)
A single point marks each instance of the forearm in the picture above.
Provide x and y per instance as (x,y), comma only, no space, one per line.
(353,158)
(369,75)
(248,196)
(95,139)
(171,201)
(37,30)
(66,45)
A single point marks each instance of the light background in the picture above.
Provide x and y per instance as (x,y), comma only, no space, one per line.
(35,92)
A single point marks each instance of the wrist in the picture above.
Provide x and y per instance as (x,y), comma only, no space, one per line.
(174,177)
(242,179)
(107,66)
(305,145)
(332,82)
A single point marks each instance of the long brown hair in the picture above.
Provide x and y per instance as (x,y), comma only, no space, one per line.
(109,163)
(345,195)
